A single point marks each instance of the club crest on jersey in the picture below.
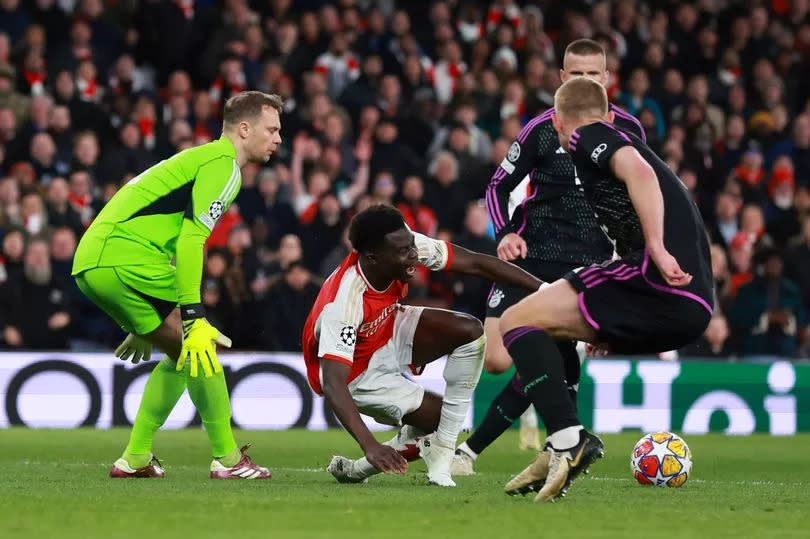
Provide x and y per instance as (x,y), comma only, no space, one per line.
(348,335)
(514,152)
(495,298)
(597,152)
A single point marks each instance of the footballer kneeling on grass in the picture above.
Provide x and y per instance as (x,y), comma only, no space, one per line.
(358,340)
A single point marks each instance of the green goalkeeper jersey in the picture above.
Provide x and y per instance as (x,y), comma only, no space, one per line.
(166,212)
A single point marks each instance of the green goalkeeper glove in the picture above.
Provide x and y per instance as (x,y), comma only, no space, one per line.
(198,342)
(137,347)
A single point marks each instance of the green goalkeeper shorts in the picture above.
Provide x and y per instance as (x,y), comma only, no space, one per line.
(138,298)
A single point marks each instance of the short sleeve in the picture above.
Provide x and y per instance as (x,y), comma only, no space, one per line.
(215,187)
(434,254)
(596,143)
(337,332)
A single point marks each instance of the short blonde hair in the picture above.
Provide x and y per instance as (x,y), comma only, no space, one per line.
(581,98)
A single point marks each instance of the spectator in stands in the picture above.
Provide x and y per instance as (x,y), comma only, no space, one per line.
(44,159)
(797,262)
(126,158)
(801,148)
(781,218)
(385,188)
(713,344)
(34,214)
(444,192)
(323,232)
(721,272)
(741,252)
(10,98)
(636,98)
(767,314)
(81,195)
(12,255)
(418,216)
(60,211)
(286,308)
(63,247)
(35,306)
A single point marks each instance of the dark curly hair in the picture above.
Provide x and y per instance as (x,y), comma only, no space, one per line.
(368,228)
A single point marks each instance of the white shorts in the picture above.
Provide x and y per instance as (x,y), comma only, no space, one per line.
(382,392)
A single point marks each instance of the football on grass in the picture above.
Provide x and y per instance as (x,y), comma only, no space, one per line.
(661,459)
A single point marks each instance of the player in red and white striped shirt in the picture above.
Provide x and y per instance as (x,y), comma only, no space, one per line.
(358,340)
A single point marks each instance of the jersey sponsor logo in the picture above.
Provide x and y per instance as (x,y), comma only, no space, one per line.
(370,328)
(495,298)
(348,335)
(597,152)
(514,152)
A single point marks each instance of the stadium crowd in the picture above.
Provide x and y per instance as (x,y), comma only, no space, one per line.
(410,103)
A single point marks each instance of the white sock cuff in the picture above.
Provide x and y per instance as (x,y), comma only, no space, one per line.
(466,449)
(565,438)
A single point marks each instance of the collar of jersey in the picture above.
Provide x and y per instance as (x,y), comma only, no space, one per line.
(230,150)
(368,283)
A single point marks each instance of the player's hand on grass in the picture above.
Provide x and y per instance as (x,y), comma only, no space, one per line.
(386,459)
(199,347)
(669,268)
(135,347)
(511,247)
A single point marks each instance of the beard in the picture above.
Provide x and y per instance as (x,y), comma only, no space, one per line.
(39,275)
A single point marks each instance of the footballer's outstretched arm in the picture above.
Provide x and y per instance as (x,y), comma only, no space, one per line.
(645,194)
(382,457)
(491,268)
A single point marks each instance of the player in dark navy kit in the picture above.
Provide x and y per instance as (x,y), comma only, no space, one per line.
(658,296)
(552,231)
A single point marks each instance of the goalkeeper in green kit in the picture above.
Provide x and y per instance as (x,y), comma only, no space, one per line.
(124,265)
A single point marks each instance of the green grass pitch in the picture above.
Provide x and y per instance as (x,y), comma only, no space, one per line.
(53,484)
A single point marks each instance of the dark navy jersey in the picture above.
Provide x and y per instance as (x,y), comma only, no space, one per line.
(554,218)
(591,147)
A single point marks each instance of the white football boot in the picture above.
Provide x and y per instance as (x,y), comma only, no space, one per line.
(439,460)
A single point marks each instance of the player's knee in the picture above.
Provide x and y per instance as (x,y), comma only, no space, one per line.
(468,328)
(510,319)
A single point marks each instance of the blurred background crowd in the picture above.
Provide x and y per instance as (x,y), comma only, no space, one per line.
(410,103)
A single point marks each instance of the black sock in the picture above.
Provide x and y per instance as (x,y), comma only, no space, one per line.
(572,368)
(505,409)
(540,364)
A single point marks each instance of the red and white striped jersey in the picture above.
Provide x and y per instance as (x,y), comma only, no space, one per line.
(351,320)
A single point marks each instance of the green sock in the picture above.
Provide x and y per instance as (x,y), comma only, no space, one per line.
(210,396)
(163,389)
